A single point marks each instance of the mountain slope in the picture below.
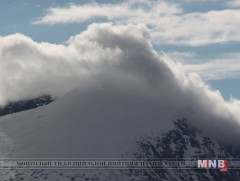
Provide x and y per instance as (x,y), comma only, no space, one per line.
(104,123)
(123,90)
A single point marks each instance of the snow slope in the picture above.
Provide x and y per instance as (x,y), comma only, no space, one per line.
(181,141)
(83,124)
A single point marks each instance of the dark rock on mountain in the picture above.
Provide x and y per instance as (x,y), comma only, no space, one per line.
(24,105)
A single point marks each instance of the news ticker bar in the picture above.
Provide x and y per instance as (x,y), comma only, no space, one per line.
(119,164)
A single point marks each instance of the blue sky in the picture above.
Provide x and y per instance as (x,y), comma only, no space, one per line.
(211,58)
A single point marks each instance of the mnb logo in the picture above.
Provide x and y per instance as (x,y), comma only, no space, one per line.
(221,164)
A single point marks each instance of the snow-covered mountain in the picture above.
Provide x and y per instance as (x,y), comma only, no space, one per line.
(105,123)
(185,141)
(82,124)
(117,98)
(182,141)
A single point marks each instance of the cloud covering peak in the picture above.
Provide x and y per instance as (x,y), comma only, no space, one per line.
(115,58)
(29,68)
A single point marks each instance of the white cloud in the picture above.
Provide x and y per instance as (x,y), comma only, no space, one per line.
(167,21)
(223,67)
(29,69)
(123,11)
(183,57)
(115,64)
(234,3)
(201,0)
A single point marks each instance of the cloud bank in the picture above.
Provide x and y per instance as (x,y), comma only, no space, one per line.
(29,69)
(117,59)
(167,21)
